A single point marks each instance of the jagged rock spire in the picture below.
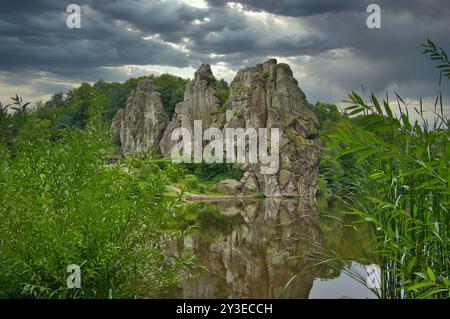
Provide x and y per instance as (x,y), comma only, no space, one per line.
(200,103)
(140,124)
(267,95)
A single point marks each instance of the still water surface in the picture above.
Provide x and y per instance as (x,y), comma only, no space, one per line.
(265,249)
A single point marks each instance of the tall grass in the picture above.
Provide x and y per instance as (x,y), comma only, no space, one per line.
(400,185)
(61,204)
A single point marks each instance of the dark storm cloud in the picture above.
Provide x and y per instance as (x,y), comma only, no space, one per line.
(151,16)
(34,37)
(392,55)
(294,8)
(389,57)
(304,8)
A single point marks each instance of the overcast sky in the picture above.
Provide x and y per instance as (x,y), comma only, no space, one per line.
(327,43)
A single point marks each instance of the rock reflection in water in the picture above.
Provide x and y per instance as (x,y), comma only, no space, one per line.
(258,258)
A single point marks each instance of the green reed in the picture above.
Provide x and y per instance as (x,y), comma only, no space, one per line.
(399,184)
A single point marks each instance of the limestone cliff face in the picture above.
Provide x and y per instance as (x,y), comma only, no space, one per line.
(200,103)
(140,124)
(267,95)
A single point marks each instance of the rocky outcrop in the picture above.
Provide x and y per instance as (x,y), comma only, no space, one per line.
(267,95)
(263,96)
(230,186)
(200,103)
(139,126)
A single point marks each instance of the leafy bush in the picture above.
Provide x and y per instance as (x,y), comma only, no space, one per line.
(214,172)
(202,188)
(61,204)
(191,180)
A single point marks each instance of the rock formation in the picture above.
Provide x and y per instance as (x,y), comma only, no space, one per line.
(267,95)
(263,96)
(200,103)
(140,124)
(230,186)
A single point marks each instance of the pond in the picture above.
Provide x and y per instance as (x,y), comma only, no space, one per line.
(273,249)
